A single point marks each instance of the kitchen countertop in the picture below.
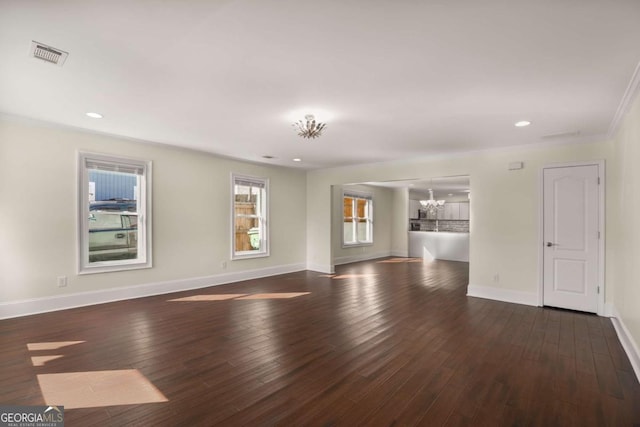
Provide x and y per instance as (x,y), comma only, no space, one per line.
(439,232)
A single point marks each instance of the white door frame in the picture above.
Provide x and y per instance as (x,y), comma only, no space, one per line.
(601,225)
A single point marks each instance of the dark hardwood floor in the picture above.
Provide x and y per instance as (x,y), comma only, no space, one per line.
(385,342)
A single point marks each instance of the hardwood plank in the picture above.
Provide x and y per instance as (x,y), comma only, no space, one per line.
(378,343)
(567,346)
(607,376)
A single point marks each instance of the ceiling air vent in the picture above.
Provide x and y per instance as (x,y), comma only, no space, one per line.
(561,135)
(48,53)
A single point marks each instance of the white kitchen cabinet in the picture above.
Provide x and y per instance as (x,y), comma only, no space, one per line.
(454,211)
(414,207)
(464,211)
(451,210)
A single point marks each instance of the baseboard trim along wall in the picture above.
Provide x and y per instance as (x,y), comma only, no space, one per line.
(608,310)
(360,257)
(326,269)
(627,341)
(504,295)
(400,254)
(82,299)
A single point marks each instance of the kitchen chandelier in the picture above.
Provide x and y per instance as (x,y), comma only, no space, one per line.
(432,206)
(309,128)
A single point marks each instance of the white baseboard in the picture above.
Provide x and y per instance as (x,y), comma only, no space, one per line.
(326,269)
(608,310)
(360,257)
(63,302)
(628,343)
(400,254)
(501,294)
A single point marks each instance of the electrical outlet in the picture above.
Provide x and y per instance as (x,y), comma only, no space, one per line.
(496,278)
(62,281)
(223,264)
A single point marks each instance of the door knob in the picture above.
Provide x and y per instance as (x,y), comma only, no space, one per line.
(549,244)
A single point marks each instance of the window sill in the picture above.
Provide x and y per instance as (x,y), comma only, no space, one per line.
(356,245)
(111,267)
(239,256)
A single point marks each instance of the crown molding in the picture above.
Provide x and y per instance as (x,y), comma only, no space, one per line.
(625,104)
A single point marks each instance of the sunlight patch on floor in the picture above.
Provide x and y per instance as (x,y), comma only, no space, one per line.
(39,346)
(349,276)
(216,297)
(279,295)
(42,360)
(223,297)
(98,389)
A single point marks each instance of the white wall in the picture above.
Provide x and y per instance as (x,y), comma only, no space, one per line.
(400,223)
(624,230)
(504,233)
(382,224)
(191,212)
(455,198)
(319,258)
(191,229)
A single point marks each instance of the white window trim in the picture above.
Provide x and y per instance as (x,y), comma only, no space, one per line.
(361,195)
(144,259)
(250,254)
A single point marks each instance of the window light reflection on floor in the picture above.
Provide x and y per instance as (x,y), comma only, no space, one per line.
(42,360)
(40,346)
(223,297)
(98,389)
(215,297)
(279,295)
(349,276)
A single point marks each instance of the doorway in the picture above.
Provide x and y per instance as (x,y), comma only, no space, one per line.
(572,236)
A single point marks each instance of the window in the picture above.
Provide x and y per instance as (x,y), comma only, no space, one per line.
(114,213)
(249,217)
(357,224)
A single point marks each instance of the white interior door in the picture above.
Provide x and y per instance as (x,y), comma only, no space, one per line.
(571,234)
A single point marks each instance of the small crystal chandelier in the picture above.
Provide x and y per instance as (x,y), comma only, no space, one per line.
(309,128)
(432,206)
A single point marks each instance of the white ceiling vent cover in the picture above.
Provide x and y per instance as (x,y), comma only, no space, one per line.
(48,53)
(562,135)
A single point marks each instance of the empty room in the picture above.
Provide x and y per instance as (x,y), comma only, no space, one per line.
(326,214)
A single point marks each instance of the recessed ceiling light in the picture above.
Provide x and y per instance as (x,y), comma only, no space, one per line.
(297,159)
(95,115)
(522,123)
(266,156)
(451,194)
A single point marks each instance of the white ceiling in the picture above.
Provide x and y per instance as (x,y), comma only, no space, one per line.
(457,186)
(394,79)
